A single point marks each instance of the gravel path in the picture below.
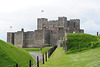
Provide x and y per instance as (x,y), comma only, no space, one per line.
(35,56)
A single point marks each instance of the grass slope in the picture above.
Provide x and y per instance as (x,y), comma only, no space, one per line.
(80,41)
(44,50)
(87,58)
(32,49)
(10,55)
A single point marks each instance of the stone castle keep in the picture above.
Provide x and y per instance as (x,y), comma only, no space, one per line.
(48,32)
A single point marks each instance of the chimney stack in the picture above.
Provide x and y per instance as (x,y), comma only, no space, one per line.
(22,29)
(97,33)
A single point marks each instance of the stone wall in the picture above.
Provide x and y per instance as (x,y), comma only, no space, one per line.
(50,25)
(81,31)
(19,39)
(41,37)
(53,37)
(29,39)
(61,34)
(53,25)
(46,34)
(38,38)
(10,37)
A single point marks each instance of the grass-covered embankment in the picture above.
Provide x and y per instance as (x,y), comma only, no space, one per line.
(84,51)
(80,41)
(32,49)
(43,50)
(86,58)
(10,55)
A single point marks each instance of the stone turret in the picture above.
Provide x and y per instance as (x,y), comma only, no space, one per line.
(19,38)
(41,22)
(62,21)
(22,29)
(10,37)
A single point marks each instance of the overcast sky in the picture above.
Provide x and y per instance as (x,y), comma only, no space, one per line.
(24,13)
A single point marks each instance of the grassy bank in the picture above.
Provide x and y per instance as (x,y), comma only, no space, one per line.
(83,49)
(32,49)
(87,58)
(43,50)
(80,41)
(10,55)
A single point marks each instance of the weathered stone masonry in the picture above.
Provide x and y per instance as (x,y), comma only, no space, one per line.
(48,32)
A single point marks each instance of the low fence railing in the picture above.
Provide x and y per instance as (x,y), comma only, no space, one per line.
(47,45)
(51,51)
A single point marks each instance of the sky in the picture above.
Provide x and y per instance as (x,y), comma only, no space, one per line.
(24,13)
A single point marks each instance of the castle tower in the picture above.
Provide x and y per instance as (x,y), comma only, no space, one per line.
(62,22)
(42,22)
(74,24)
(77,24)
(19,38)
(10,37)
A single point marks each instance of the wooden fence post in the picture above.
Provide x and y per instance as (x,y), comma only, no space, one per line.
(65,48)
(30,63)
(46,56)
(97,33)
(43,58)
(37,61)
(16,64)
(49,53)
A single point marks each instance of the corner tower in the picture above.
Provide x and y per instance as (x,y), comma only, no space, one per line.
(42,22)
(62,22)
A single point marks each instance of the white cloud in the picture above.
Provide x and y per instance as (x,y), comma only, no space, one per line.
(91,27)
(13,5)
(24,13)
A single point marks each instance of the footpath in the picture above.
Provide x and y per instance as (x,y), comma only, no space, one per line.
(86,58)
(34,55)
(56,59)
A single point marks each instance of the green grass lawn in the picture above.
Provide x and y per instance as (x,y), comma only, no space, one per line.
(86,58)
(32,49)
(10,55)
(44,50)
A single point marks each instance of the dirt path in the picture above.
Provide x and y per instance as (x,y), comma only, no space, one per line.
(35,56)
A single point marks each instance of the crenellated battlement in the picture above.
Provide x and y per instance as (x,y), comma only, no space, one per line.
(74,19)
(61,22)
(53,20)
